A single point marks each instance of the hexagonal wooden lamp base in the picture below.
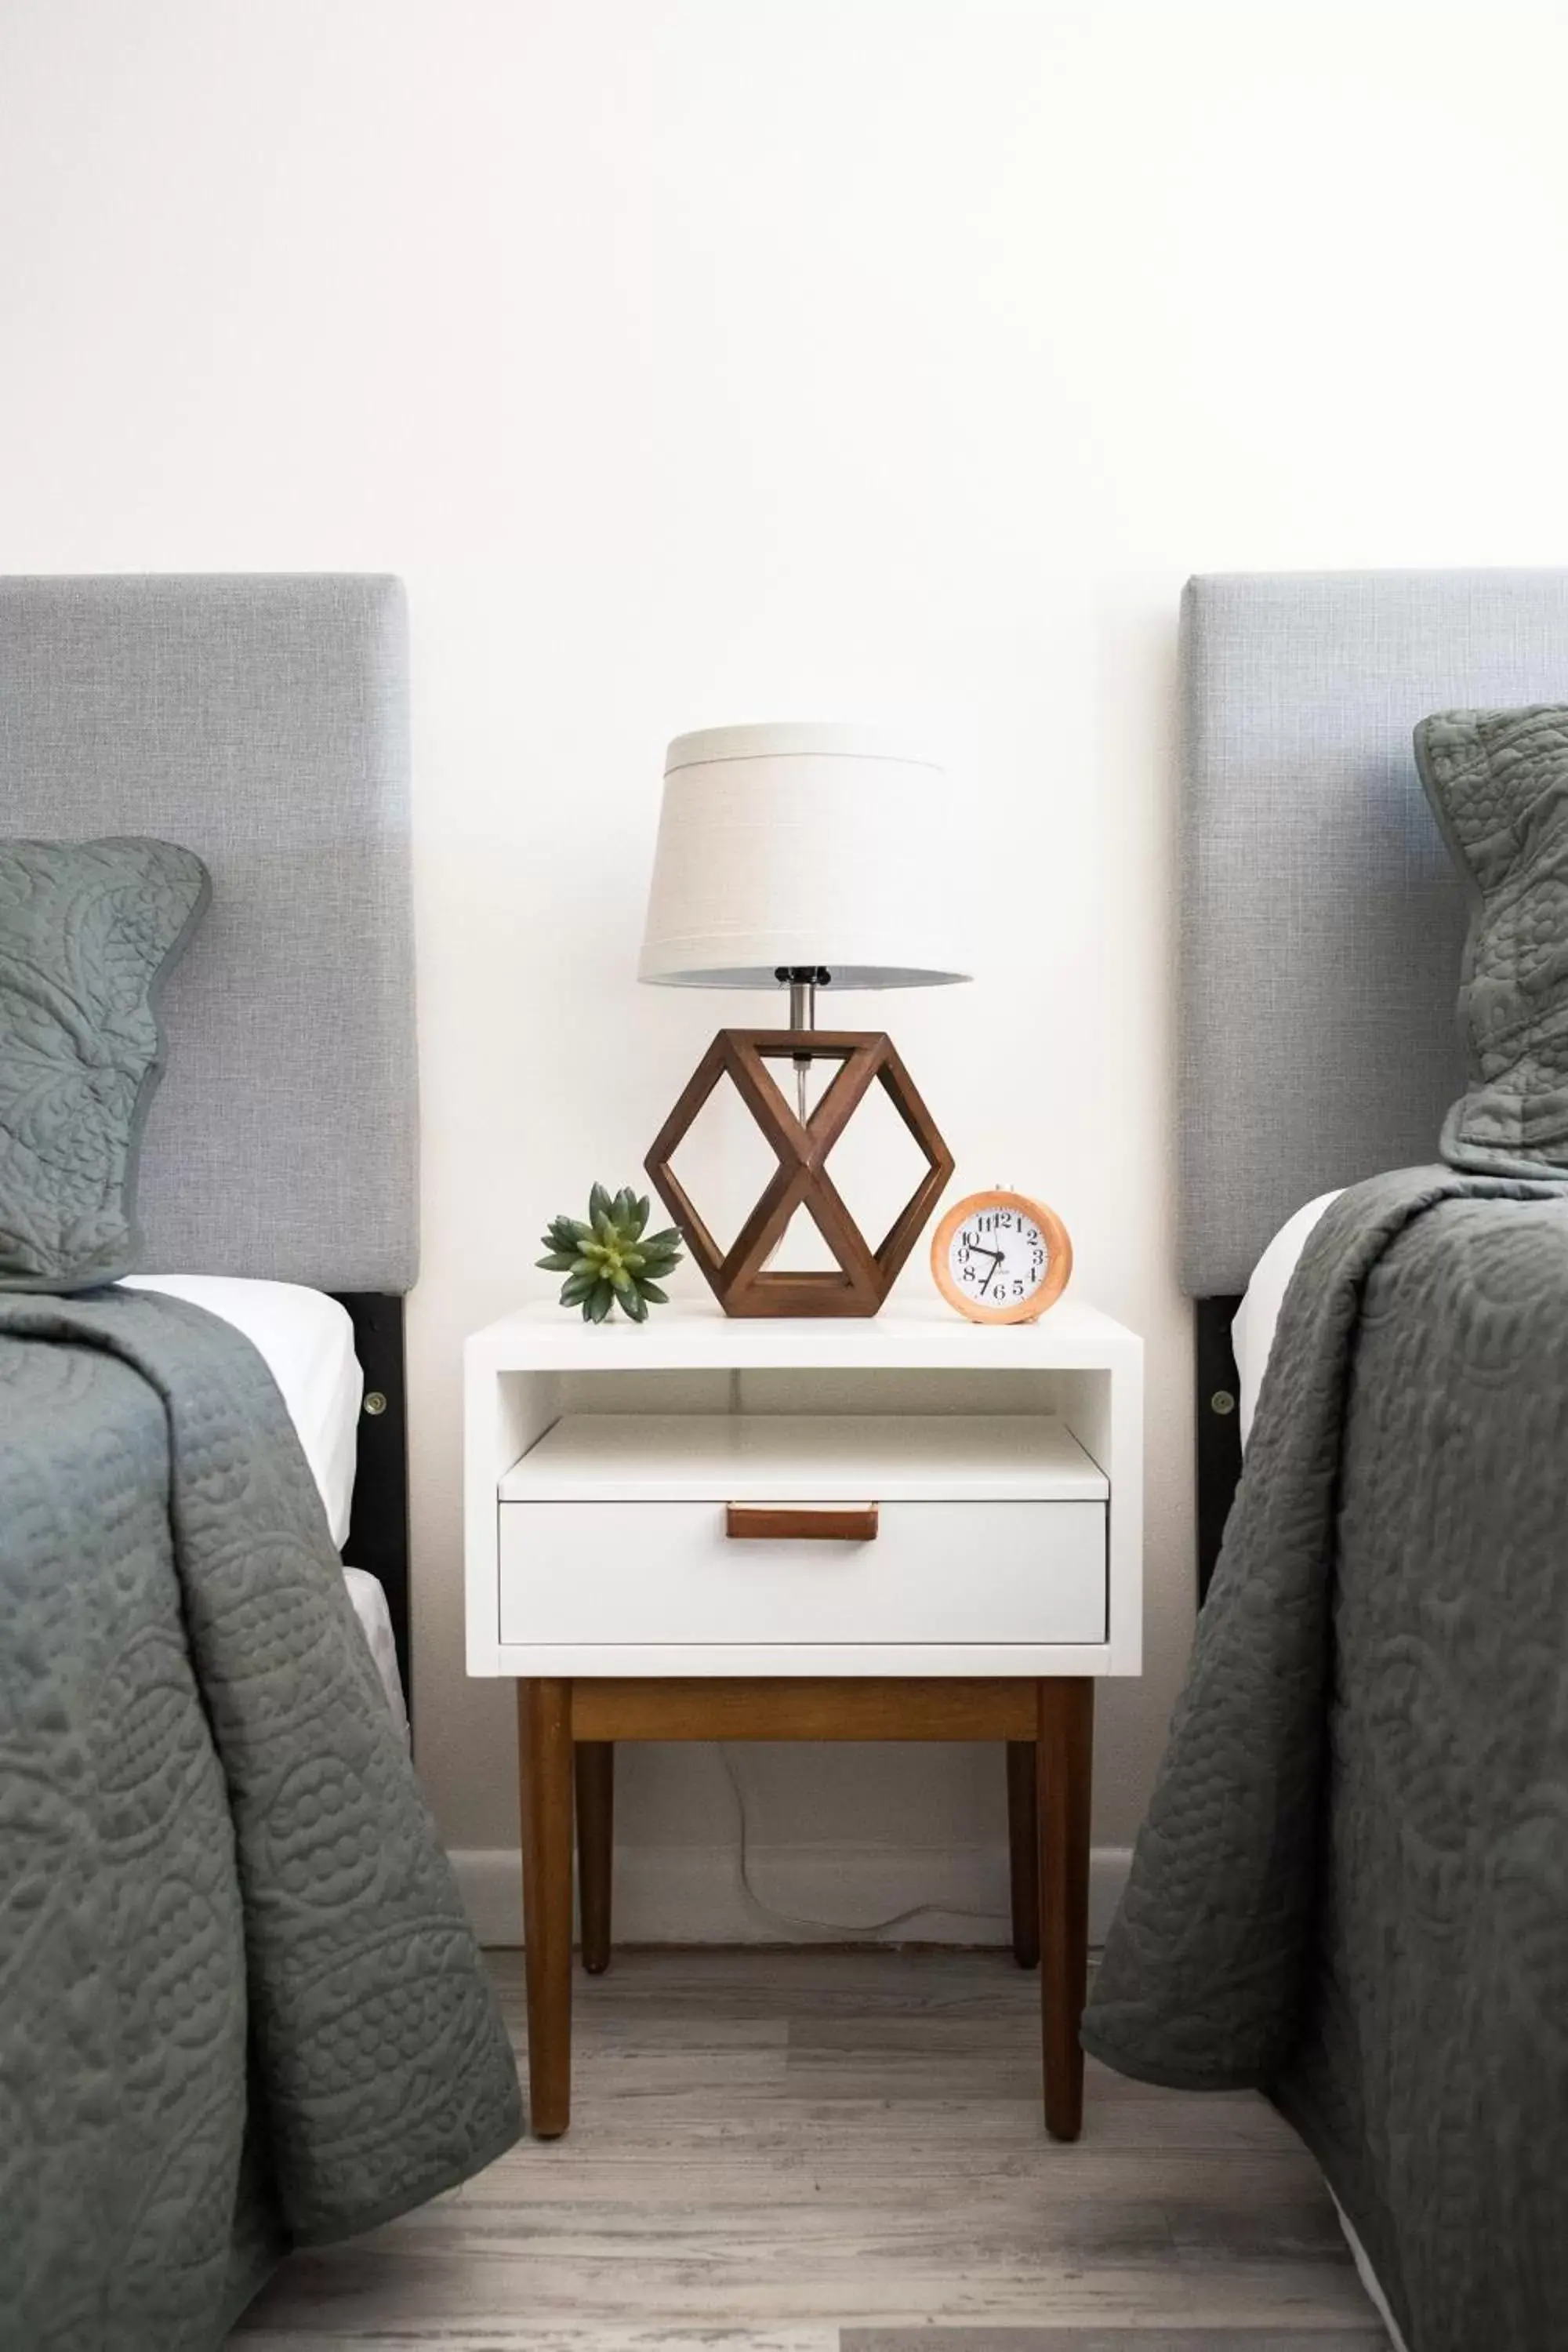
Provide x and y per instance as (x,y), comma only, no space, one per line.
(739,1277)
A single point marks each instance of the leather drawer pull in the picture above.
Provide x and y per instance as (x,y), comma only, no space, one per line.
(777,1522)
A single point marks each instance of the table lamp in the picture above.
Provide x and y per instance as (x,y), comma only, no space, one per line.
(803,858)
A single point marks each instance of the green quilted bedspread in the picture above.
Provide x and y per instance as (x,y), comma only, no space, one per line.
(1351,1887)
(240,2008)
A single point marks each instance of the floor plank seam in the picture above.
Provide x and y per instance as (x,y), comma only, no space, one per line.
(841,2151)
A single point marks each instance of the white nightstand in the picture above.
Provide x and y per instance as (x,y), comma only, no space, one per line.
(906,1527)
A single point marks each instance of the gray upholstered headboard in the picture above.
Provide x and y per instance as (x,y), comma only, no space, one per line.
(262,722)
(1322,926)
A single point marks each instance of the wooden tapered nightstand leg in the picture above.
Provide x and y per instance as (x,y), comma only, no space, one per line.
(1024,1851)
(1065,1748)
(544,1769)
(595,1847)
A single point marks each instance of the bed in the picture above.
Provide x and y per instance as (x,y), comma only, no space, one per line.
(1350,1889)
(262,721)
(240,2008)
(1322,923)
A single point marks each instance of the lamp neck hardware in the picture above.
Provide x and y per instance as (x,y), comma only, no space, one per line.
(802,981)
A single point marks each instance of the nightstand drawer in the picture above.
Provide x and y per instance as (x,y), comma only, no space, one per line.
(660,1572)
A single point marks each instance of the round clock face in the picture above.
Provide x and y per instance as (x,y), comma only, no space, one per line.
(1000,1258)
(997,1256)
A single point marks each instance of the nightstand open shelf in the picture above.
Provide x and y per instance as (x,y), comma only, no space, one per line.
(906,1527)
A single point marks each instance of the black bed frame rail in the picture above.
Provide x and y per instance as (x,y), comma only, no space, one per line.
(378,1527)
(1217,1429)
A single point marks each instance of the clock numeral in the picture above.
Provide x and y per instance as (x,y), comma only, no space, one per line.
(999,1262)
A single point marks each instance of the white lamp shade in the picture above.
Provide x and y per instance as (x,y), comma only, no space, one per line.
(799,846)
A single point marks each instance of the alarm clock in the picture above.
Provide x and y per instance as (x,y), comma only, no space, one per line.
(999,1258)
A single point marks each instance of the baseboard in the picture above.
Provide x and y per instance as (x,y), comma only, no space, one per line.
(693,1894)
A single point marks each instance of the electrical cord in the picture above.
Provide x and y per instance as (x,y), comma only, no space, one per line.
(836,1928)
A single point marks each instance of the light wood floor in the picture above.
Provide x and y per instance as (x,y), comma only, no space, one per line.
(768,2148)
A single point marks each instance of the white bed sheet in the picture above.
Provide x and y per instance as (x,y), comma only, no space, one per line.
(307,1343)
(1257,1318)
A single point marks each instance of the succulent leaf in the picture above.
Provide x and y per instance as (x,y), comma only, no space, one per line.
(610,1256)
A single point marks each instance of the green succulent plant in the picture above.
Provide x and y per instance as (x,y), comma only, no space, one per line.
(609,1260)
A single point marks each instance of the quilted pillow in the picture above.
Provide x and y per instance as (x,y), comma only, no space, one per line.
(88,931)
(1497,782)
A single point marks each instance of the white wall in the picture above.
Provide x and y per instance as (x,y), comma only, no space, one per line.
(701,360)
